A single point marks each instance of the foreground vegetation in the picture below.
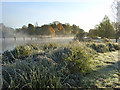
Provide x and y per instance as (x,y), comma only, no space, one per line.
(73,65)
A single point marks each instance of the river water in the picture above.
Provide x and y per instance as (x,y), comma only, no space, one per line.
(11,43)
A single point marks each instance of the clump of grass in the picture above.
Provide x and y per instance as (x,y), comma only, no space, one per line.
(104,47)
(80,59)
(26,74)
(100,47)
(77,57)
(22,50)
(113,46)
(50,46)
(105,40)
(19,52)
(60,54)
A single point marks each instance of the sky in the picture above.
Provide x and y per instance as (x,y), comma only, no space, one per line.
(83,13)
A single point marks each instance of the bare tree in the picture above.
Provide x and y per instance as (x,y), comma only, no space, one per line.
(36,24)
(115,13)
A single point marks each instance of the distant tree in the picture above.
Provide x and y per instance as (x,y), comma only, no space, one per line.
(36,24)
(6,31)
(60,29)
(105,28)
(54,26)
(18,30)
(115,14)
(38,30)
(30,26)
(86,34)
(68,28)
(118,31)
(80,35)
(52,31)
(31,29)
(24,29)
(93,33)
(75,29)
(56,22)
(47,30)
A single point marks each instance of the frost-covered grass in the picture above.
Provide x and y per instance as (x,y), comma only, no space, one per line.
(104,47)
(105,71)
(53,65)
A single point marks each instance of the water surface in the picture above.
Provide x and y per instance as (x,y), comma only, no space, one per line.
(10,43)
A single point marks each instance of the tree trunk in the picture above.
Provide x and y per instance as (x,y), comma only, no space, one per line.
(116,40)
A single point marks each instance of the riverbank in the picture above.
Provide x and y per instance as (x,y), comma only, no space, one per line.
(54,65)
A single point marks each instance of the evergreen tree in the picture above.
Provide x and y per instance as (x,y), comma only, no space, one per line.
(105,28)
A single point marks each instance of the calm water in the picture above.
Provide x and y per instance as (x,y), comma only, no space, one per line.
(10,43)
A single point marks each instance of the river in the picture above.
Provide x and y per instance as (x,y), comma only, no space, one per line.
(10,43)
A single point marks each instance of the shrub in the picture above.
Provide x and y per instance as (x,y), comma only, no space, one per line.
(99,47)
(19,52)
(8,57)
(113,46)
(116,46)
(76,55)
(80,36)
(60,54)
(79,60)
(26,74)
(106,40)
(104,47)
(50,46)
(22,50)
(34,46)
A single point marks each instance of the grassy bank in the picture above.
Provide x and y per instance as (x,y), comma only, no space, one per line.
(72,65)
(105,71)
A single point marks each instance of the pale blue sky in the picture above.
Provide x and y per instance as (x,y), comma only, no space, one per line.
(85,14)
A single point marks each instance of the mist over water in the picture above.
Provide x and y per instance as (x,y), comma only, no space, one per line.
(11,43)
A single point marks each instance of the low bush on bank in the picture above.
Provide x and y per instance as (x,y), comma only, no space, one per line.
(50,46)
(19,52)
(31,74)
(77,58)
(105,40)
(104,47)
(113,47)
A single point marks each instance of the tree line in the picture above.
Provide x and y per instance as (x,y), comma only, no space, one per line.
(55,28)
(104,29)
